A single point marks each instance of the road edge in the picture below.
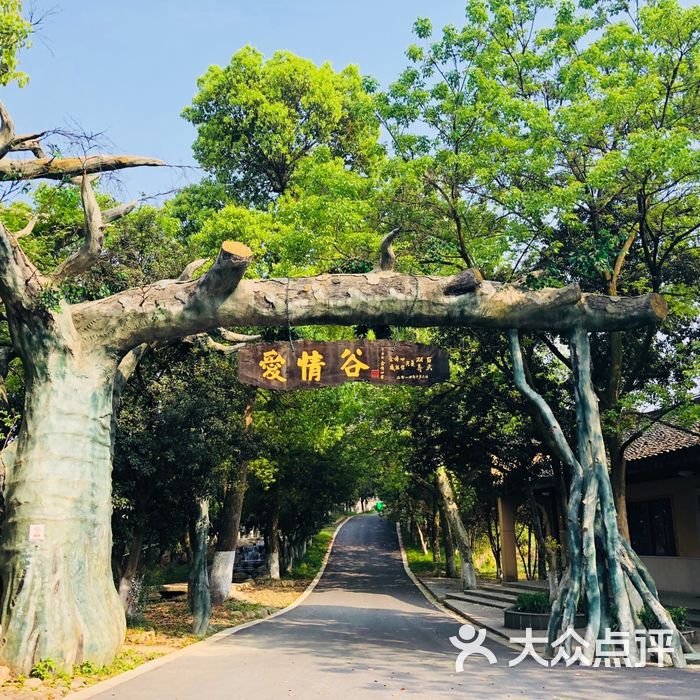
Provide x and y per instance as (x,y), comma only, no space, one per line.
(455,614)
(114,681)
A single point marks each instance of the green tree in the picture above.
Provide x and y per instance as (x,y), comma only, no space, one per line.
(257,119)
(15,31)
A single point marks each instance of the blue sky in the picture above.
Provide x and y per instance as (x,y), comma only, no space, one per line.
(128,68)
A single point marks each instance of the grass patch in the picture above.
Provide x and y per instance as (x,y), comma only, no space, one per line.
(419,563)
(312,561)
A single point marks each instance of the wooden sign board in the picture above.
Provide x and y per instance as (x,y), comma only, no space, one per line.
(309,364)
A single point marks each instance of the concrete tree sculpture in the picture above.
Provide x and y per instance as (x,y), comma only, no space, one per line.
(602,566)
(58,597)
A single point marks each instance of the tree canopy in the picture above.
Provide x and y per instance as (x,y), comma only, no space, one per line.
(256,119)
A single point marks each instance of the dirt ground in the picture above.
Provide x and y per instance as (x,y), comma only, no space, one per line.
(165,627)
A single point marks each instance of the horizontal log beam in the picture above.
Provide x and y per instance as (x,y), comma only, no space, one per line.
(165,310)
(60,168)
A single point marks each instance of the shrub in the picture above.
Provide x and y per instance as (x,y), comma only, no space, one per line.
(43,669)
(678,615)
(532,603)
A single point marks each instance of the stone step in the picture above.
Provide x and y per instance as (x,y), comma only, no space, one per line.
(474,597)
(527,586)
(507,589)
(490,594)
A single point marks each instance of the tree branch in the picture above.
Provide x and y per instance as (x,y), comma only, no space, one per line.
(188,273)
(7,130)
(95,220)
(224,275)
(236,337)
(66,168)
(387,257)
(171,308)
(559,441)
(20,281)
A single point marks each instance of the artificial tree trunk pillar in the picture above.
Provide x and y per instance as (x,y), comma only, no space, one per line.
(618,479)
(509,549)
(59,600)
(602,566)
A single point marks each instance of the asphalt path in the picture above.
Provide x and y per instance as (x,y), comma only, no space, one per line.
(366,631)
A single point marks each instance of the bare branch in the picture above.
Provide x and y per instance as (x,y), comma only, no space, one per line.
(236,337)
(188,273)
(66,168)
(20,281)
(222,348)
(7,129)
(387,257)
(94,226)
(28,142)
(27,230)
(88,253)
(110,215)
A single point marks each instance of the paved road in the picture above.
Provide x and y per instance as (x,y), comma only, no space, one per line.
(367,632)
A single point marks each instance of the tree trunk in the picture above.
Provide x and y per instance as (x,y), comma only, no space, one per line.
(58,599)
(199,580)
(421,537)
(288,556)
(132,565)
(494,536)
(457,526)
(221,574)
(435,543)
(450,560)
(273,535)
(539,535)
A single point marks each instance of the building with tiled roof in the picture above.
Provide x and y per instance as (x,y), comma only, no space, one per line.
(663,504)
(660,439)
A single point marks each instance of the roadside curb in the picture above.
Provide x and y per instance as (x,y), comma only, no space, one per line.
(478,623)
(109,683)
(445,607)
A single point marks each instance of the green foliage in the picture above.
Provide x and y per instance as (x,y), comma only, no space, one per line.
(323,223)
(678,615)
(256,119)
(50,299)
(44,669)
(312,561)
(15,31)
(533,603)
(180,433)
(140,248)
